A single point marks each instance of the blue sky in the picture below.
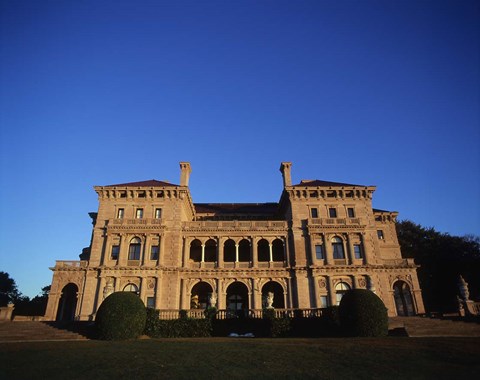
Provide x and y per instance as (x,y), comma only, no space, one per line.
(383,93)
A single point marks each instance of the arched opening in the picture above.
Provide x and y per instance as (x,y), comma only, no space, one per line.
(340,289)
(403,299)
(196,251)
(277,290)
(229,251)
(337,247)
(237,297)
(244,251)
(277,250)
(68,303)
(211,251)
(263,250)
(135,249)
(199,295)
(132,288)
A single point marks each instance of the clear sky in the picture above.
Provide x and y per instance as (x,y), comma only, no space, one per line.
(383,93)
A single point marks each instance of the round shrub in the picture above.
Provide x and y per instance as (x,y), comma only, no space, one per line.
(362,313)
(121,316)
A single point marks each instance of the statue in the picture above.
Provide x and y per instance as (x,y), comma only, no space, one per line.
(108,289)
(212,300)
(268,300)
(194,304)
(463,288)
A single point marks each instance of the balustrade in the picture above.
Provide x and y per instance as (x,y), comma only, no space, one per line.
(248,313)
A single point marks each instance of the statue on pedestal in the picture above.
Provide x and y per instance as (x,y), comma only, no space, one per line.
(108,289)
(268,300)
(212,300)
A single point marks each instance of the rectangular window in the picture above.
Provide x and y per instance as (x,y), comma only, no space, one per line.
(357,249)
(319,252)
(380,234)
(115,252)
(120,213)
(351,212)
(338,253)
(139,214)
(314,212)
(332,212)
(323,302)
(158,213)
(151,302)
(154,252)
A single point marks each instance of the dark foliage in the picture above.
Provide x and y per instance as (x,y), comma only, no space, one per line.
(121,316)
(179,328)
(362,313)
(8,290)
(35,306)
(442,259)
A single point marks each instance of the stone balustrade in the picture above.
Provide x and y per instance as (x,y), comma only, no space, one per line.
(335,221)
(250,313)
(70,264)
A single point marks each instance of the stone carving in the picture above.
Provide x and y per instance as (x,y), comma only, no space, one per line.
(322,283)
(463,289)
(108,289)
(268,300)
(194,303)
(212,300)
(362,283)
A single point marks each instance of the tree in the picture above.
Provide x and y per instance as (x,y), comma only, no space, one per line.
(8,289)
(442,259)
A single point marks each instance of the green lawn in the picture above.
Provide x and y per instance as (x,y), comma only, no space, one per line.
(218,358)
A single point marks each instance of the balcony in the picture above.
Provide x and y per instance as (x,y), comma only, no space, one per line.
(236,224)
(137,222)
(334,222)
(70,264)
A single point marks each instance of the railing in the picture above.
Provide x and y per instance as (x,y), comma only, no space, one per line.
(396,262)
(249,313)
(138,222)
(238,264)
(235,224)
(70,264)
(335,221)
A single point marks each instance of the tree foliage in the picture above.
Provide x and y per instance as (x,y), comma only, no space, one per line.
(8,289)
(442,259)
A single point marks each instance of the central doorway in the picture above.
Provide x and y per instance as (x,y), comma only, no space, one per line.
(237,298)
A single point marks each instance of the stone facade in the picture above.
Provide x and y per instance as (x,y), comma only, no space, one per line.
(319,240)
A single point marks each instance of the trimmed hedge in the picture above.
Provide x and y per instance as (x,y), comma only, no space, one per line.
(121,316)
(179,328)
(362,313)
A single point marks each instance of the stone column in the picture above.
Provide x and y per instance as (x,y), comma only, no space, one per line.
(146,249)
(220,254)
(157,292)
(270,246)
(203,253)
(366,252)
(236,253)
(316,292)
(328,250)
(351,255)
(331,292)
(107,250)
(286,251)
(143,289)
(254,253)
(123,255)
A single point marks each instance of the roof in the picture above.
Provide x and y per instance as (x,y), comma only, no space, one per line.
(236,208)
(378,210)
(148,183)
(320,183)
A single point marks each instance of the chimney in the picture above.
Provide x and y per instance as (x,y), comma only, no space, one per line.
(285,169)
(185,173)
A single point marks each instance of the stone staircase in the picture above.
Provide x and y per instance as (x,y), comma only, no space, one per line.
(30,331)
(424,326)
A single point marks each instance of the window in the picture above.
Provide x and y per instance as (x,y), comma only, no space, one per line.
(340,289)
(357,249)
(351,212)
(158,213)
(314,213)
(151,302)
(120,213)
(332,212)
(134,249)
(338,252)
(323,302)
(115,252)
(139,214)
(319,252)
(154,252)
(132,288)
(380,234)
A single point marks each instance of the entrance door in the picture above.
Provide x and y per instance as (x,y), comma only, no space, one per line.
(68,303)
(403,299)
(237,298)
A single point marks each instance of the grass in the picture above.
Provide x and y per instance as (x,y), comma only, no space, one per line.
(217,358)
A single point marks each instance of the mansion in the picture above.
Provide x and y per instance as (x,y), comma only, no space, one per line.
(319,240)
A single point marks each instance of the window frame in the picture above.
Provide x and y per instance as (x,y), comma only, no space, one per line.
(139,213)
(120,213)
(319,252)
(380,235)
(158,213)
(357,251)
(314,212)
(157,253)
(115,247)
(351,212)
(332,212)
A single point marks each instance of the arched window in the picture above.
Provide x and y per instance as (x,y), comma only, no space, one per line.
(340,289)
(229,251)
(196,251)
(210,251)
(403,299)
(132,288)
(244,251)
(338,252)
(278,252)
(135,249)
(263,250)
